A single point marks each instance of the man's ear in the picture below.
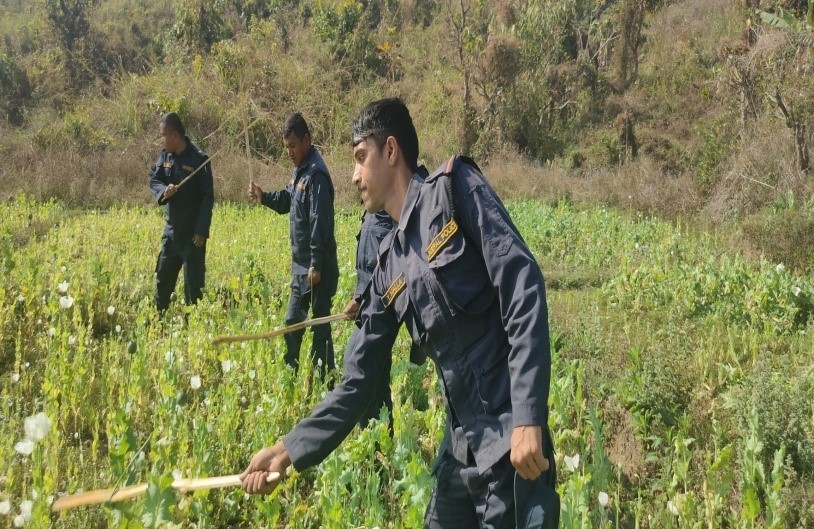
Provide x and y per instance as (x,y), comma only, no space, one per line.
(391,150)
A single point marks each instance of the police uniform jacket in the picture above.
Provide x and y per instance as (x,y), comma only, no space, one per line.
(456,271)
(375,227)
(189,211)
(309,200)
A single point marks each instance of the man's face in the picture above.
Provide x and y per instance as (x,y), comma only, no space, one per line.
(170,139)
(371,174)
(297,148)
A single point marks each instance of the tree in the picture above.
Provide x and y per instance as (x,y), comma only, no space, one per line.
(70,23)
(199,24)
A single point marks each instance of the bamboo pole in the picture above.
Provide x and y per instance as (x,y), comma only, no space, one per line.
(94,497)
(277,332)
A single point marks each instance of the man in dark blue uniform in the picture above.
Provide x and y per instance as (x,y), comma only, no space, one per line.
(188,213)
(375,227)
(456,271)
(308,199)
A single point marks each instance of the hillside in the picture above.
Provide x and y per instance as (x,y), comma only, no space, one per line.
(671,107)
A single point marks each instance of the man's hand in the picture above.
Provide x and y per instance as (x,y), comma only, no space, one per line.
(270,459)
(198,240)
(255,192)
(527,452)
(169,192)
(313,276)
(351,310)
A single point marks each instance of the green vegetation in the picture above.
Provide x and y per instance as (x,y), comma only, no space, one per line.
(682,382)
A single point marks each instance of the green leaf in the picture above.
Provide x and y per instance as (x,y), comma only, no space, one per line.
(160,500)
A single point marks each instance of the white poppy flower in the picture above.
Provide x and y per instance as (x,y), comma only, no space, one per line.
(176,474)
(63,287)
(20,298)
(25,509)
(66,302)
(671,506)
(226,365)
(24,447)
(118,328)
(111,309)
(5,507)
(779,268)
(71,340)
(603,499)
(195,382)
(252,374)
(19,520)
(572,462)
(37,427)
(15,377)
(796,290)
(51,331)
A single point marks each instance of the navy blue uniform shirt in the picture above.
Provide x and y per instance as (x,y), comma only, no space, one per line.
(309,200)
(375,227)
(189,211)
(462,279)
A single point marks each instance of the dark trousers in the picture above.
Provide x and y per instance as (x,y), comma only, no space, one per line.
(320,299)
(464,498)
(177,253)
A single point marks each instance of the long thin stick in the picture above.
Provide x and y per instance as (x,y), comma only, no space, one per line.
(209,159)
(193,173)
(277,332)
(94,497)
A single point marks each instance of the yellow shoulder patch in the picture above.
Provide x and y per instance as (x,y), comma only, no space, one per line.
(441,240)
(167,165)
(301,186)
(395,288)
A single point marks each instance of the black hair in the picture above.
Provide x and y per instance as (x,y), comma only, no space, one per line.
(295,124)
(172,121)
(388,117)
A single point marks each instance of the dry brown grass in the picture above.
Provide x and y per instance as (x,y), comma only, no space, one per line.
(639,185)
(762,170)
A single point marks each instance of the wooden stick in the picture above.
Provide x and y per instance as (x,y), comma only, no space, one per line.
(209,159)
(277,332)
(193,173)
(94,497)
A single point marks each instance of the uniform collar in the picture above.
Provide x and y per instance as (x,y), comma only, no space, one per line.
(187,150)
(309,159)
(413,190)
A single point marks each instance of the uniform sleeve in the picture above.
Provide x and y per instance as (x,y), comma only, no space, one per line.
(520,289)
(315,437)
(279,201)
(158,181)
(207,191)
(320,218)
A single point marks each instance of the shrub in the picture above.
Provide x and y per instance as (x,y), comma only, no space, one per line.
(14,90)
(784,235)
